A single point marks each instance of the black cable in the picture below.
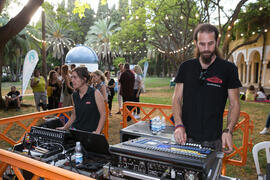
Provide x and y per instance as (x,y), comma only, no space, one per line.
(70,162)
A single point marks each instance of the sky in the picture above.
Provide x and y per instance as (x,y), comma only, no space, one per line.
(14,9)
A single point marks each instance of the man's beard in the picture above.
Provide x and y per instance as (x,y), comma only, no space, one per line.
(207,58)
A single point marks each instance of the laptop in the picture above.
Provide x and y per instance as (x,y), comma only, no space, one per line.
(91,142)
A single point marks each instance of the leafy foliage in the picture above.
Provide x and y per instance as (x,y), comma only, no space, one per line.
(257,14)
(117,61)
(80,8)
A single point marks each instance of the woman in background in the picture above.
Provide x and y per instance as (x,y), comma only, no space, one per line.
(39,86)
(67,88)
(110,89)
(260,95)
(250,93)
(54,90)
(137,88)
(100,83)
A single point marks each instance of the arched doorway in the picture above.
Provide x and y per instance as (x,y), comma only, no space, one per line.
(255,67)
(267,71)
(241,68)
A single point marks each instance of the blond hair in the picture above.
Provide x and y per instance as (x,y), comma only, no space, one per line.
(138,69)
(100,74)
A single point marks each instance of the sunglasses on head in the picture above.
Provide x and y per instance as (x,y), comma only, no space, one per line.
(202,77)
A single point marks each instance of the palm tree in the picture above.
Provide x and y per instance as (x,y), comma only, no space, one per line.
(98,37)
(58,39)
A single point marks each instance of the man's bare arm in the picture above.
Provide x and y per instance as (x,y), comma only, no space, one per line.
(177,103)
(234,108)
(179,133)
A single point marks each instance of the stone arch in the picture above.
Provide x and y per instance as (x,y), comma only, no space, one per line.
(241,65)
(255,66)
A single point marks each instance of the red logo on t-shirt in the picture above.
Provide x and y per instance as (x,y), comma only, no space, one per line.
(214,80)
(88,102)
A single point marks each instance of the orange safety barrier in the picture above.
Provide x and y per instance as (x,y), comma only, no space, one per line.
(245,125)
(155,107)
(239,156)
(18,120)
(39,169)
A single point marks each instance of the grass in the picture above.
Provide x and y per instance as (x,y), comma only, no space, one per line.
(159,92)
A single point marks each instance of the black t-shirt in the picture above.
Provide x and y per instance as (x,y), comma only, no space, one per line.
(13,94)
(204,98)
(87,114)
(110,83)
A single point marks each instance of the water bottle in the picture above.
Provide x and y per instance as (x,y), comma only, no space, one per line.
(78,154)
(154,126)
(158,124)
(163,124)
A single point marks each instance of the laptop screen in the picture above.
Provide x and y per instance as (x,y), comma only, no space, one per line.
(91,142)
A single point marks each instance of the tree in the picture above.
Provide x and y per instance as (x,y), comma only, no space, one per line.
(13,27)
(58,38)
(15,50)
(131,41)
(99,37)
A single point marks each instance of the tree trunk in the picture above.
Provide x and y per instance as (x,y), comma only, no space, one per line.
(44,64)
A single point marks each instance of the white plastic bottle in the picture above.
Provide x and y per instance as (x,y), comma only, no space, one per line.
(154,126)
(78,153)
(163,124)
(158,124)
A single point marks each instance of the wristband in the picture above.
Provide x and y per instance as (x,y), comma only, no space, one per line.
(179,126)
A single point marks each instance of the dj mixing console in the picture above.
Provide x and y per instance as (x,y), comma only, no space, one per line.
(157,158)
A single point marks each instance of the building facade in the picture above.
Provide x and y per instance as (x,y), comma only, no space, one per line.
(253,60)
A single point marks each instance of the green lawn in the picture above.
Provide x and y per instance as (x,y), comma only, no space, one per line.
(159,92)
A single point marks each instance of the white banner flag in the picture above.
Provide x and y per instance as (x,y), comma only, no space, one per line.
(29,65)
(145,69)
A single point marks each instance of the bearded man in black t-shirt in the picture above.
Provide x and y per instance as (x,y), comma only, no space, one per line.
(202,87)
(13,99)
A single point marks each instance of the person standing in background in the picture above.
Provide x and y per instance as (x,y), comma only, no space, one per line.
(39,86)
(137,88)
(127,80)
(67,88)
(53,90)
(100,83)
(110,89)
(119,97)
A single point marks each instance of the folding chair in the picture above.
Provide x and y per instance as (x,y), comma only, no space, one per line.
(262,145)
